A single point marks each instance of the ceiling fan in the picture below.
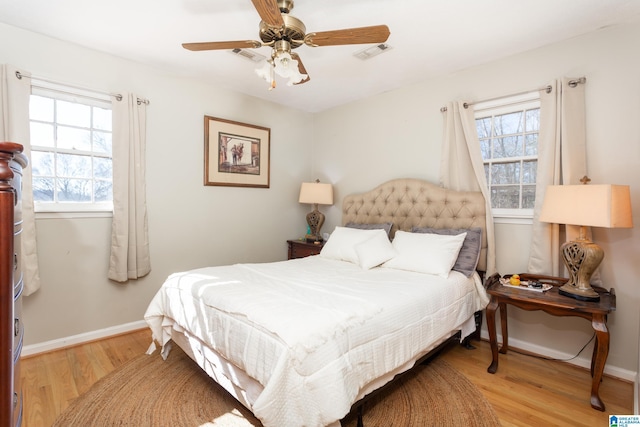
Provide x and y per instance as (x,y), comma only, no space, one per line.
(283,32)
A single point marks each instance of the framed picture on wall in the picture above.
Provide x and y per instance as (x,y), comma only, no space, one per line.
(235,154)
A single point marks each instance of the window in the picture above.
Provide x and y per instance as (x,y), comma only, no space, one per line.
(508,133)
(71,162)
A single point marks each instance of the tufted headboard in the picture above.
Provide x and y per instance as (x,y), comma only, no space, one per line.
(408,203)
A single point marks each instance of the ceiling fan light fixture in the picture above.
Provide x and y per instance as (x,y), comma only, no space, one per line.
(267,73)
(264,71)
(282,64)
(287,67)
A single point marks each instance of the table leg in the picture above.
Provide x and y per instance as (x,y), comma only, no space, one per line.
(594,355)
(505,332)
(493,339)
(601,352)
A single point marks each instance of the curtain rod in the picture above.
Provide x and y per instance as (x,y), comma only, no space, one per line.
(547,89)
(118,96)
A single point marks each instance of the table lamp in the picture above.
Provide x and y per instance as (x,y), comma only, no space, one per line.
(315,193)
(586,206)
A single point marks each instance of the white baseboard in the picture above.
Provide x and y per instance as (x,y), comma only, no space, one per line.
(614,371)
(581,361)
(29,350)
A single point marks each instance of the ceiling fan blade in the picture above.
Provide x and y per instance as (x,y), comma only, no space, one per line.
(361,35)
(239,44)
(301,68)
(269,12)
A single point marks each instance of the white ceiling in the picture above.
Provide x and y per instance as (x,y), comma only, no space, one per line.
(428,38)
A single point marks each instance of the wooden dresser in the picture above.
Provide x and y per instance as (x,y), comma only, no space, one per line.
(12,161)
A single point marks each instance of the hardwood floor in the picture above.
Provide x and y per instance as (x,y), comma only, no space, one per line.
(529,391)
(50,381)
(525,391)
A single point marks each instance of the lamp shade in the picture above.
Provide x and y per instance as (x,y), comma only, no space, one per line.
(316,193)
(588,205)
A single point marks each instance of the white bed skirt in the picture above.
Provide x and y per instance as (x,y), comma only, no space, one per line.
(246,389)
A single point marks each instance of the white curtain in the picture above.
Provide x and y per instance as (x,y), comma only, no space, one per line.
(461,166)
(14,126)
(129,233)
(561,160)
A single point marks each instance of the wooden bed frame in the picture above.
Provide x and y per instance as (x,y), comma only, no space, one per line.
(405,203)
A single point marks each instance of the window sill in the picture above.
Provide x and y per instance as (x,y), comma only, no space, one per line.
(71,215)
(512,220)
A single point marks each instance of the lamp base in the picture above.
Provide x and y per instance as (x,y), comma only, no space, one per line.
(579,294)
(315,219)
(581,257)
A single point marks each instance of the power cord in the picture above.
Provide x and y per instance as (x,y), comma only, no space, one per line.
(553,358)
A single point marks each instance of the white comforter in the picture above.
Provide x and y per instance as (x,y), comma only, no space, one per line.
(313,331)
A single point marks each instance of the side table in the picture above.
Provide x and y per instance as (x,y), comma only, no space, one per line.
(302,248)
(557,305)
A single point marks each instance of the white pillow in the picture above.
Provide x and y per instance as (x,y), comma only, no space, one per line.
(375,250)
(425,253)
(343,241)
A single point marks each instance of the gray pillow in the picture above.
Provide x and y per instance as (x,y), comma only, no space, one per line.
(386,226)
(469,253)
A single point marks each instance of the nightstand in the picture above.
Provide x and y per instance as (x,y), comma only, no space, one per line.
(301,249)
(557,305)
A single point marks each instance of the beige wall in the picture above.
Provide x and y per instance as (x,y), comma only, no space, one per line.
(190,225)
(398,134)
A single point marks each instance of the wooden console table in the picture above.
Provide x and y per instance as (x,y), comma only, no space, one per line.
(558,305)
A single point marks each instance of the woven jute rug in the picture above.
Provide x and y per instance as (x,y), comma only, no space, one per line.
(150,392)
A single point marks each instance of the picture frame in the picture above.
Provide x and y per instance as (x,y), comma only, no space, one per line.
(236,154)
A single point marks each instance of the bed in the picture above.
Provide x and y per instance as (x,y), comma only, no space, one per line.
(299,342)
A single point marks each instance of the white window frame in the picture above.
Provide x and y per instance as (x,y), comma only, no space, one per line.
(82,96)
(509,104)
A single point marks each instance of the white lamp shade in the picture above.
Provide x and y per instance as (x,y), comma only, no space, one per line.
(316,192)
(588,205)
(265,71)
